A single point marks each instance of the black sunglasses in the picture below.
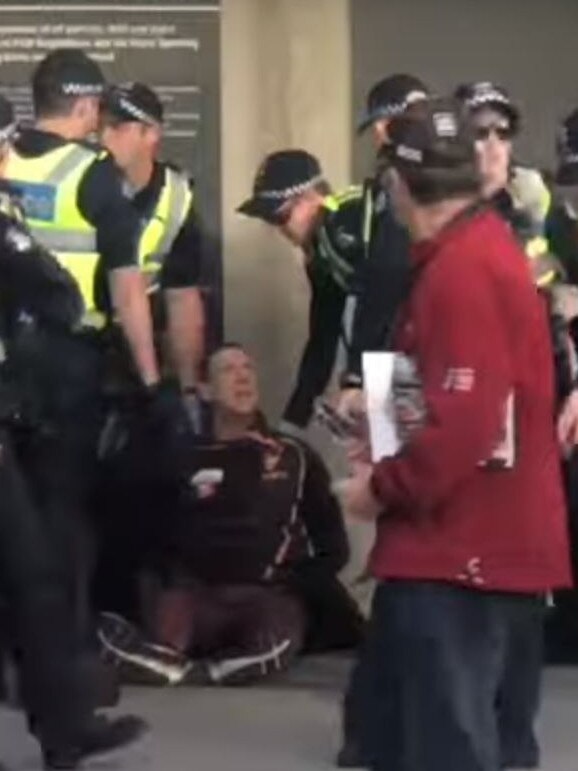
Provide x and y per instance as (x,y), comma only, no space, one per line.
(502,132)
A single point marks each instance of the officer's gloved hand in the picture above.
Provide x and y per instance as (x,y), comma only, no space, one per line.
(163,404)
(167,428)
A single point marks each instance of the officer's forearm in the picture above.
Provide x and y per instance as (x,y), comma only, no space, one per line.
(132,308)
(186,333)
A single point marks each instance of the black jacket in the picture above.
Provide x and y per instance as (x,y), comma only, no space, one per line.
(32,283)
(334,257)
(383,279)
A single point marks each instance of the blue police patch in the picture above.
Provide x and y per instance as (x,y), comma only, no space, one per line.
(38,200)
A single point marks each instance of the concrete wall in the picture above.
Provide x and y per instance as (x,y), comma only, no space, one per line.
(527,45)
(286,80)
(286,83)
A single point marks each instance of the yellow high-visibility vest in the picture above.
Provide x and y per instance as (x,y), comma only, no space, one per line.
(530,194)
(47,186)
(163,226)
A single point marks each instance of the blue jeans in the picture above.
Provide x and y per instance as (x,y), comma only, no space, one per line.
(433,674)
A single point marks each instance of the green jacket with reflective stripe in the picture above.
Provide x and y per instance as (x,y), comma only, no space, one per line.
(337,246)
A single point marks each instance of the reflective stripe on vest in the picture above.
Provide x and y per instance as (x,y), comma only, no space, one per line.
(48,188)
(341,271)
(169,215)
(367,218)
(543,265)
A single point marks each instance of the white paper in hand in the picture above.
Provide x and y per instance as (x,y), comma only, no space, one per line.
(377,378)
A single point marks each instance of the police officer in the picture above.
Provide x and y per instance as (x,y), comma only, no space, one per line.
(36,293)
(518,192)
(75,205)
(384,273)
(170,245)
(291,193)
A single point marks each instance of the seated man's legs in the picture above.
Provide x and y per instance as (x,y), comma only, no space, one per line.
(232,634)
(265,632)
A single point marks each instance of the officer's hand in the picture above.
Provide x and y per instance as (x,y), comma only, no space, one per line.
(350,403)
(356,495)
(164,408)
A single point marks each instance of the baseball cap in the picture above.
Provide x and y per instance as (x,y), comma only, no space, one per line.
(133,102)
(7,120)
(436,135)
(486,94)
(567,151)
(281,176)
(391,96)
(74,73)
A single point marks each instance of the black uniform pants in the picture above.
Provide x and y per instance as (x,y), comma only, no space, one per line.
(65,377)
(35,589)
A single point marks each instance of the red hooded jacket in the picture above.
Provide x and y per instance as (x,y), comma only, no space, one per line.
(478,332)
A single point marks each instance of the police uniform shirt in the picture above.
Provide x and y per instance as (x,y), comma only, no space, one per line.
(101,201)
(182,265)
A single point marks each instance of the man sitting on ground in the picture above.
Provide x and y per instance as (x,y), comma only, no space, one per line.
(247,553)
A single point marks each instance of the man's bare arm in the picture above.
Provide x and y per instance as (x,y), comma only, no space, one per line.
(132,308)
(186,333)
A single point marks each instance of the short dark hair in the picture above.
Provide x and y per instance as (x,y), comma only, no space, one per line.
(229,345)
(62,70)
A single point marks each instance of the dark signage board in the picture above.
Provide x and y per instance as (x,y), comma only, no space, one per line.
(172,47)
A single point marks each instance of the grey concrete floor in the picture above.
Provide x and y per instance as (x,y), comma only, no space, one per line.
(292,725)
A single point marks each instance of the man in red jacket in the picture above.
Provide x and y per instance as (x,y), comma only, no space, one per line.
(470,515)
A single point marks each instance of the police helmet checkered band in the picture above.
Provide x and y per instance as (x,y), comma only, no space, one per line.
(414,96)
(445,124)
(485,93)
(290,192)
(391,110)
(82,89)
(131,109)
